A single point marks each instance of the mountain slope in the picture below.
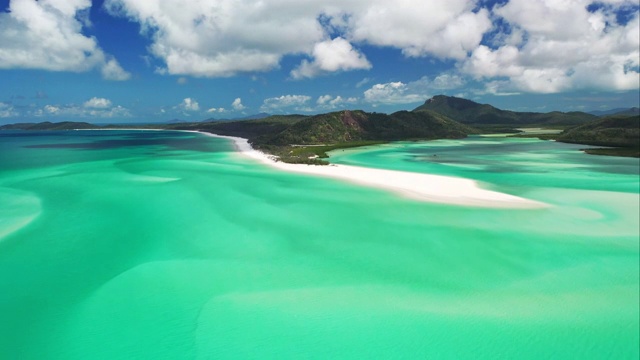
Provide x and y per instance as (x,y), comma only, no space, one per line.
(470,112)
(345,126)
(619,111)
(634,111)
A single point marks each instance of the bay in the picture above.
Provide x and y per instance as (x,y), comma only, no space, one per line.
(147,244)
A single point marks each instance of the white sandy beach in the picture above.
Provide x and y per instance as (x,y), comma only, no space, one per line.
(417,186)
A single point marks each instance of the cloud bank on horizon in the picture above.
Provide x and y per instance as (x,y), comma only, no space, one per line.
(490,47)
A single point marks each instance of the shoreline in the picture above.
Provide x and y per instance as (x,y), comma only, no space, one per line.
(416,186)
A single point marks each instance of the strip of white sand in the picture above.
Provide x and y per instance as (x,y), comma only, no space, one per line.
(417,186)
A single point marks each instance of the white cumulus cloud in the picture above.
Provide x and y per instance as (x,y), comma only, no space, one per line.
(213,39)
(7,110)
(412,92)
(51,109)
(573,48)
(93,108)
(221,38)
(47,35)
(286,102)
(237,104)
(445,29)
(392,93)
(330,56)
(328,102)
(445,82)
(189,104)
(97,103)
(111,70)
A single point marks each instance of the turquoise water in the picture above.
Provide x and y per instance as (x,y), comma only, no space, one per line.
(168,245)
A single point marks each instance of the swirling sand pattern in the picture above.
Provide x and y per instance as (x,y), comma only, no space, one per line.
(236,259)
(19,209)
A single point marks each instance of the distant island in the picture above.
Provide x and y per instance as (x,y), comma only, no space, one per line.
(64,125)
(306,139)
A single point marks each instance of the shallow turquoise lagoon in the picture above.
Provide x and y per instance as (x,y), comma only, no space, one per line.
(169,245)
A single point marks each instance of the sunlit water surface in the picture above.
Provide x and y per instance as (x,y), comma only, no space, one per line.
(169,245)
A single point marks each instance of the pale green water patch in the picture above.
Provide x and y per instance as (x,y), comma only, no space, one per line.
(18,209)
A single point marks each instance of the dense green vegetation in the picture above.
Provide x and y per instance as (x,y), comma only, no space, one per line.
(301,139)
(470,112)
(348,126)
(622,132)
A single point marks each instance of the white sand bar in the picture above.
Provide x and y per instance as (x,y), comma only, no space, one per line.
(417,186)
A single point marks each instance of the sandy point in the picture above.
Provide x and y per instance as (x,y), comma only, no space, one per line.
(417,186)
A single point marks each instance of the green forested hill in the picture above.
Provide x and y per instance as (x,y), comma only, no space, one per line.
(345,126)
(277,134)
(470,112)
(620,131)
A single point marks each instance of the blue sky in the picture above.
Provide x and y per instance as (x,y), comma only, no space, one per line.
(157,60)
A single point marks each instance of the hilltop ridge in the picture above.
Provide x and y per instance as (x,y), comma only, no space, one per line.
(345,126)
(473,113)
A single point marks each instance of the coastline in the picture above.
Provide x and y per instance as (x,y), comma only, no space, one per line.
(416,186)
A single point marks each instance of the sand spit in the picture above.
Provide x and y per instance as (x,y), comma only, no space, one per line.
(417,186)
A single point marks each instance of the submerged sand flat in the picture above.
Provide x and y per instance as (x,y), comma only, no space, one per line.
(173,245)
